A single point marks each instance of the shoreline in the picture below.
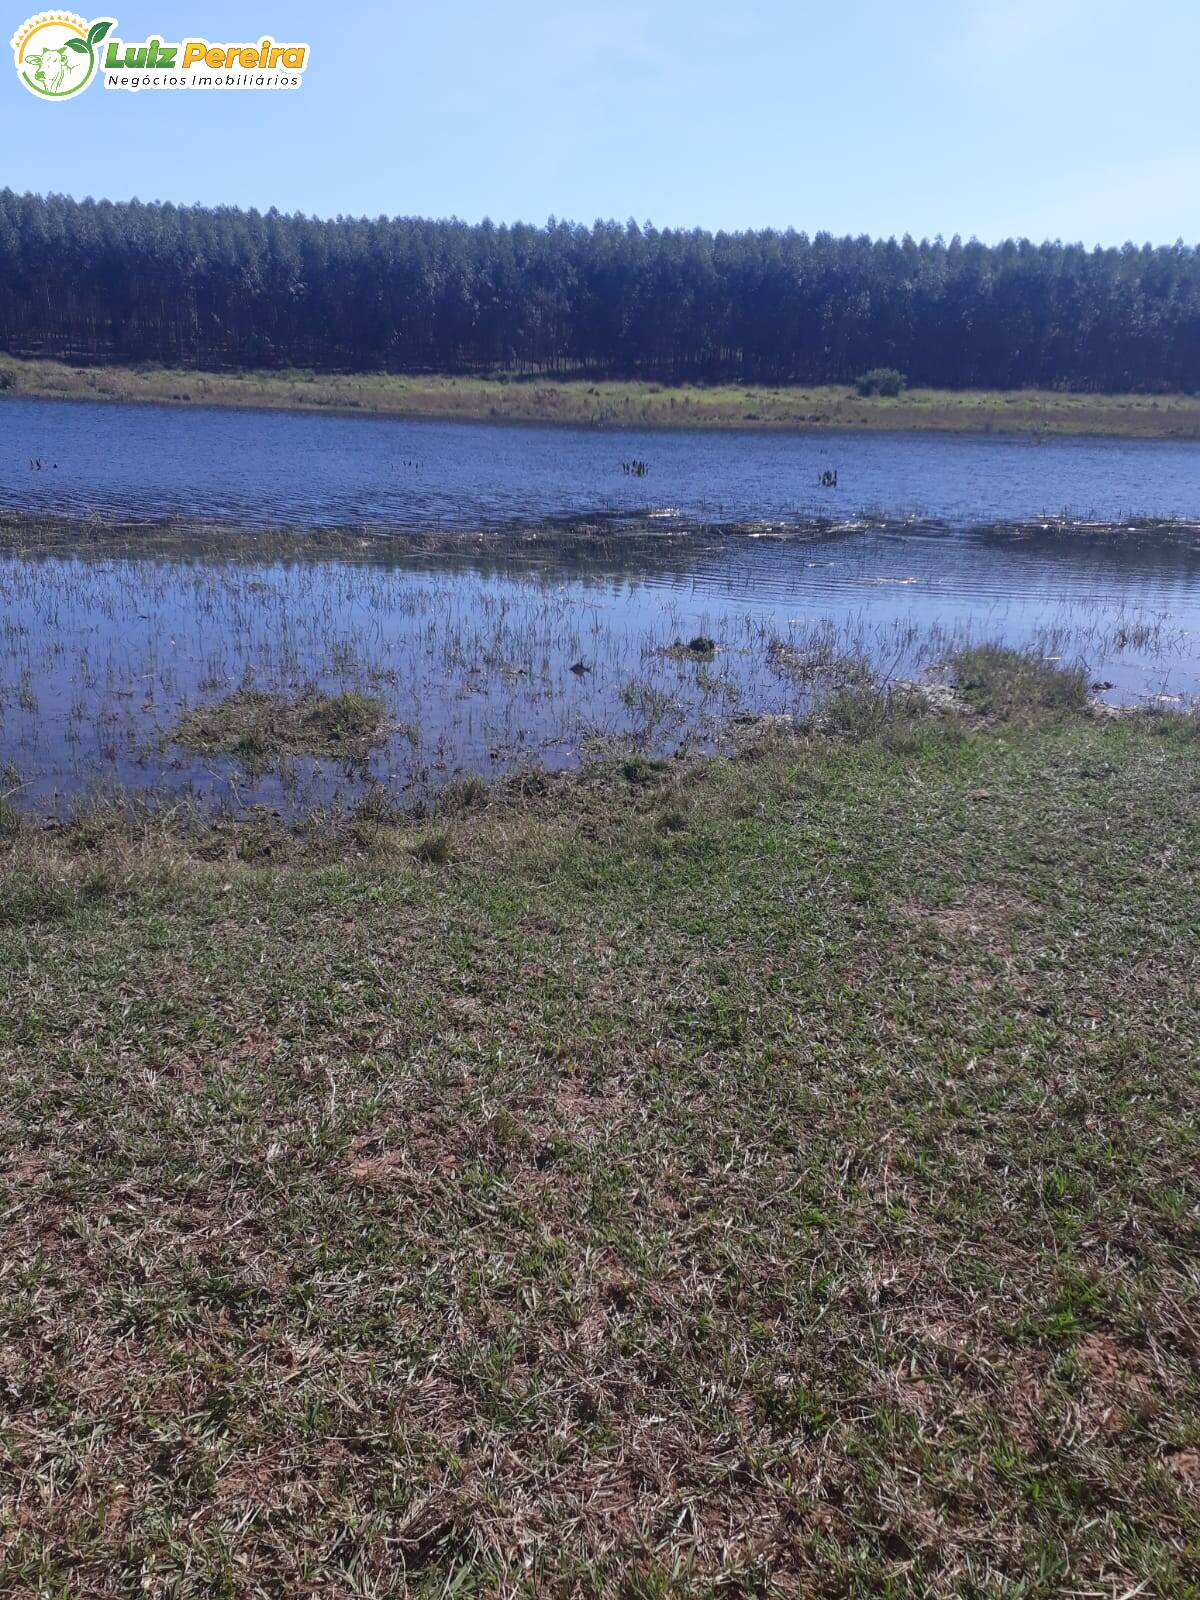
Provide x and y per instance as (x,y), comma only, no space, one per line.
(613,405)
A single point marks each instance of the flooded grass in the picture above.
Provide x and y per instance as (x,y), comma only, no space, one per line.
(1000,682)
(823,658)
(301,677)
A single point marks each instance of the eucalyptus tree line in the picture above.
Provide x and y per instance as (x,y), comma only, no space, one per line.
(224,288)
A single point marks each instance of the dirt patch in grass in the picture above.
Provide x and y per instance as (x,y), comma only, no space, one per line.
(1117,1382)
(983,917)
(259,727)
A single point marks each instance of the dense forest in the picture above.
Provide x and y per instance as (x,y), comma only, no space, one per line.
(223,288)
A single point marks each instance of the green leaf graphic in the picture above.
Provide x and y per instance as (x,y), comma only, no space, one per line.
(77,44)
(97,31)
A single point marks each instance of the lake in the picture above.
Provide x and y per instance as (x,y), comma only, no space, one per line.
(928,543)
(269,467)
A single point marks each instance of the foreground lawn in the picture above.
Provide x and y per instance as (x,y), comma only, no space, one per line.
(618,404)
(775,1176)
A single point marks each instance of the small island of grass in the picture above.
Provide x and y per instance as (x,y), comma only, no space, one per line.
(259,727)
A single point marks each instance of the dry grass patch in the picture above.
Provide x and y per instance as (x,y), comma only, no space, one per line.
(983,917)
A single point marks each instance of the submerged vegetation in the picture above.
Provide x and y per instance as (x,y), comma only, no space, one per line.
(240,668)
(677,1178)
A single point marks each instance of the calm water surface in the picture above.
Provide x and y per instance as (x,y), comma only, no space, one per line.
(272,467)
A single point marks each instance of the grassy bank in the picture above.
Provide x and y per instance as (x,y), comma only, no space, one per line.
(622,404)
(765,1176)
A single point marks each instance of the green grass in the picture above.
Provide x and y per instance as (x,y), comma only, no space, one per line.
(762,1177)
(998,682)
(258,727)
(622,403)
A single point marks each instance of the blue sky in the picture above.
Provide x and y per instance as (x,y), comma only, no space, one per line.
(1073,119)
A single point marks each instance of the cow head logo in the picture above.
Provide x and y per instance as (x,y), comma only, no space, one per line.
(57,53)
